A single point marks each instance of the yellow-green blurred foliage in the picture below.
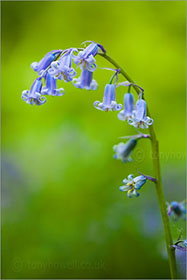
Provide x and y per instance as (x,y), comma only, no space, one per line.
(63,215)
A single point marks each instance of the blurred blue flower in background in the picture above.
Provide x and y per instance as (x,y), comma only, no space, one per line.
(177,209)
(124,150)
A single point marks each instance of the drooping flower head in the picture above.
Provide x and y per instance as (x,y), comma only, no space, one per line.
(62,69)
(128,107)
(34,95)
(124,150)
(46,61)
(131,185)
(139,116)
(85,80)
(177,209)
(51,87)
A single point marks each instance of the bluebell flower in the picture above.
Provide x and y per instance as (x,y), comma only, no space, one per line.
(177,209)
(128,107)
(131,185)
(62,68)
(34,95)
(85,58)
(46,61)
(109,100)
(124,150)
(51,87)
(139,116)
(85,80)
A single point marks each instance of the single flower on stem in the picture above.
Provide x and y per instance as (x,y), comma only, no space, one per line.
(124,150)
(85,58)
(62,69)
(45,61)
(109,100)
(139,117)
(85,80)
(131,185)
(51,87)
(34,95)
(128,107)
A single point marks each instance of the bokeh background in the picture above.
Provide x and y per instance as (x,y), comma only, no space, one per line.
(63,215)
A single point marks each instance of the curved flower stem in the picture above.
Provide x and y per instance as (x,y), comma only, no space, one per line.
(158,183)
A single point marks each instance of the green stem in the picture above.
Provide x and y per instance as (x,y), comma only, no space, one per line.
(158,183)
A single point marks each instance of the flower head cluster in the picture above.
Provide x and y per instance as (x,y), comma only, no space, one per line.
(177,209)
(131,185)
(57,65)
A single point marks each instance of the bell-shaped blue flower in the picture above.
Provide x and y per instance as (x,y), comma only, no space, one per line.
(46,61)
(139,116)
(62,69)
(131,185)
(34,95)
(51,87)
(85,58)
(124,150)
(177,209)
(109,100)
(128,107)
(85,80)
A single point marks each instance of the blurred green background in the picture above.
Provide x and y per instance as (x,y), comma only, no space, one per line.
(63,215)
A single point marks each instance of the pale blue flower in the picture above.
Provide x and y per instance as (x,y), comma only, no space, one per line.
(51,87)
(109,100)
(85,80)
(128,107)
(62,68)
(124,150)
(177,209)
(131,185)
(139,117)
(34,95)
(46,61)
